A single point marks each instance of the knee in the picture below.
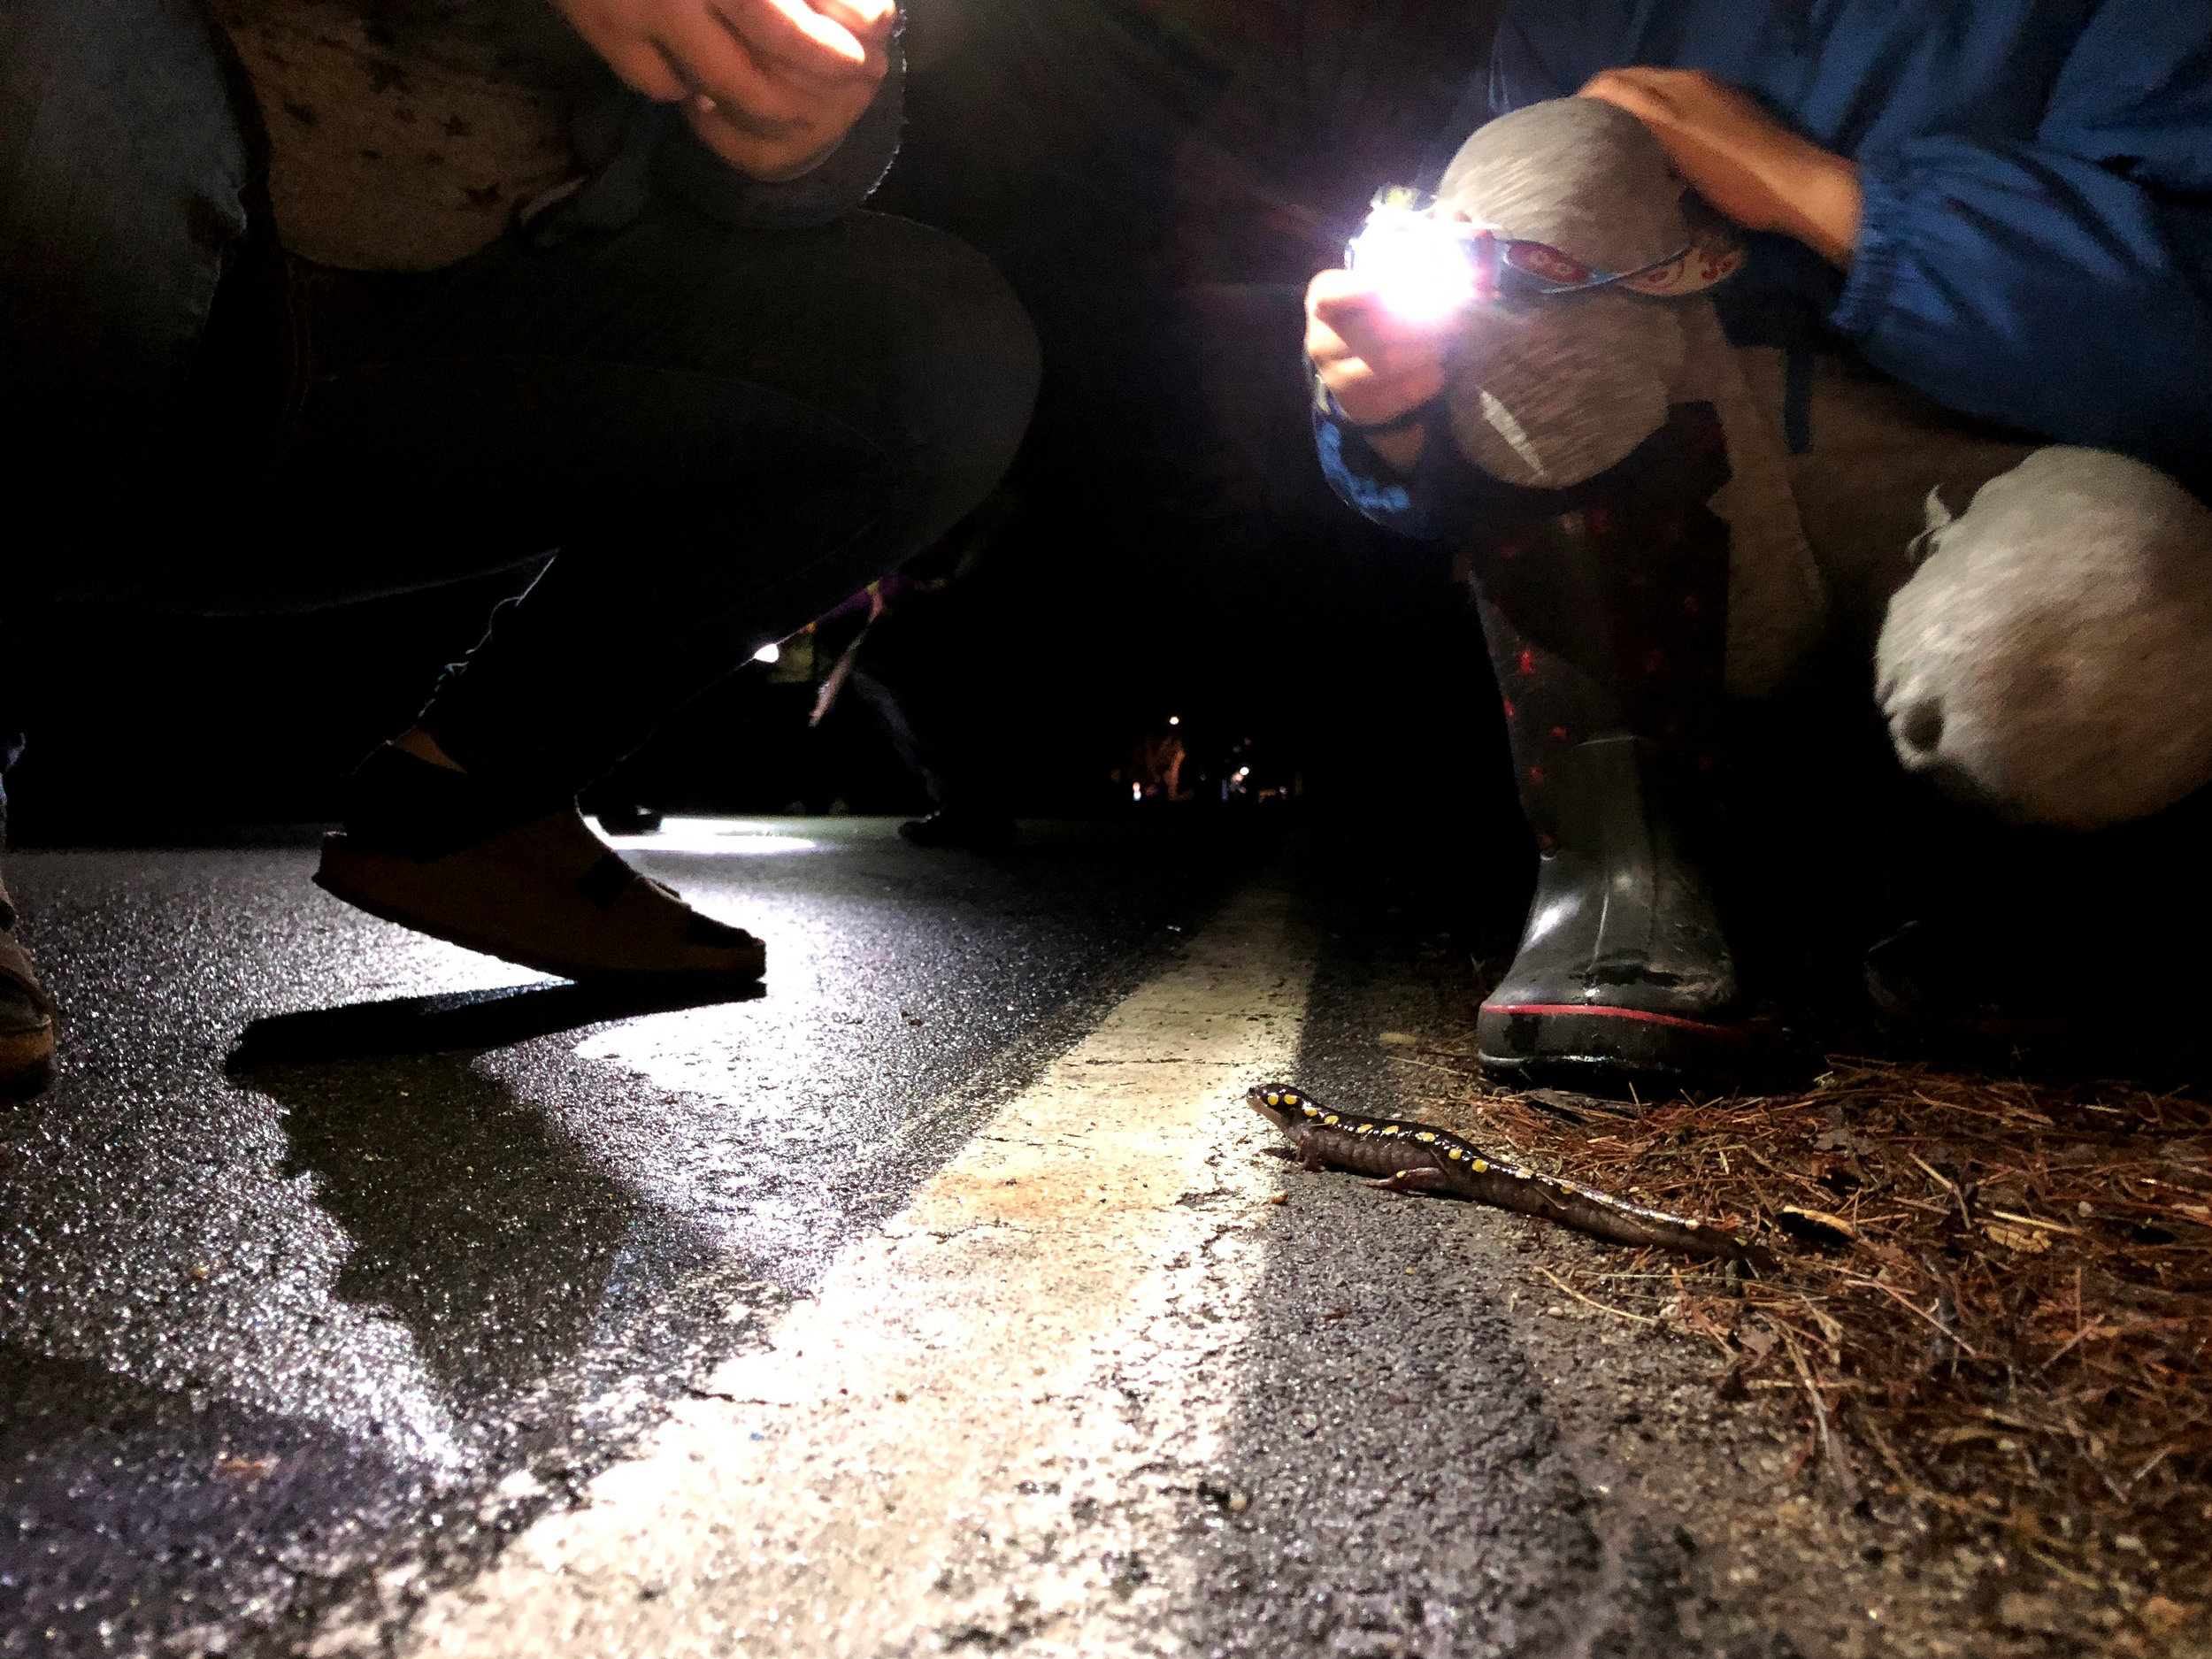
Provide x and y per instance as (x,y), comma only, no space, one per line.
(123,125)
(958,357)
(2047,658)
(124,173)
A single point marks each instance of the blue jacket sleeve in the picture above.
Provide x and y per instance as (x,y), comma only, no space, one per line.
(1362,483)
(1427,504)
(2064,285)
(1522,72)
(2027,286)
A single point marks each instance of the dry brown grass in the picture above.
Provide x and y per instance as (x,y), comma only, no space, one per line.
(1994,1307)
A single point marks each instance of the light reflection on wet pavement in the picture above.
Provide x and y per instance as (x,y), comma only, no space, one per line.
(360,1288)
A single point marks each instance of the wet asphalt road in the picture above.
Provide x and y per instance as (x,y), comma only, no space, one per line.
(340,1256)
(337,1247)
(1415,1486)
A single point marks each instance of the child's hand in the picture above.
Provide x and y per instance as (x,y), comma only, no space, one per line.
(1376,364)
(1739,159)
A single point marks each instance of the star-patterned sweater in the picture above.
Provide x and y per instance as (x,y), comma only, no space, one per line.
(403,133)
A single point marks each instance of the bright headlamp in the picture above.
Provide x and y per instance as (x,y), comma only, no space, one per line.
(1425,268)
(1421,267)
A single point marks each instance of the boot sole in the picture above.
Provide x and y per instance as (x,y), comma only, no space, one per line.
(331,880)
(1607,1051)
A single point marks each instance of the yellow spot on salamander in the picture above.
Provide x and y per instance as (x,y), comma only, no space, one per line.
(1481,1166)
(1274,1100)
(1331,1119)
(1311,1110)
(1455,1153)
(1390,1129)
(1425,1134)
(1365,1129)
(1692,1226)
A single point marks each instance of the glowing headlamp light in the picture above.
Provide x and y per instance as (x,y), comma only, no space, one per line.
(1425,268)
(1420,266)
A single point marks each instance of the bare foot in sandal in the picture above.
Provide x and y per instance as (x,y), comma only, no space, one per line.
(434,848)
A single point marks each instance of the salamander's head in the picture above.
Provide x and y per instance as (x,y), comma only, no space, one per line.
(1281,1104)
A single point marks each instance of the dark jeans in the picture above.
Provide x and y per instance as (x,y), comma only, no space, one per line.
(723,432)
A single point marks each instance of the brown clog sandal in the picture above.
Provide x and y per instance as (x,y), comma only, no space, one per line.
(549,894)
(26,1016)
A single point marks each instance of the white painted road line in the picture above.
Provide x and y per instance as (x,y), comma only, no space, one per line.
(978,1426)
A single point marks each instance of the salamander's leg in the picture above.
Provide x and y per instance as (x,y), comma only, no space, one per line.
(1310,1156)
(1420,1180)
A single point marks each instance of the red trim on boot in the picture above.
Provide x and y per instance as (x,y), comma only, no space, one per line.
(1731,1032)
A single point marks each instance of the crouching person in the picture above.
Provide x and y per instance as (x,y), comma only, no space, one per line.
(624,314)
(1936,377)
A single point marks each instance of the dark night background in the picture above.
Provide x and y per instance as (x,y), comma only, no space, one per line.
(1158,185)
(1158,180)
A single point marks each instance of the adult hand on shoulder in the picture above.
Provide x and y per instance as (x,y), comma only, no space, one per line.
(1376,364)
(1739,159)
(771,85)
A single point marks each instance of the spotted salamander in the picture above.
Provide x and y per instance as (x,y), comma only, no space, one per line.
(1409,1158)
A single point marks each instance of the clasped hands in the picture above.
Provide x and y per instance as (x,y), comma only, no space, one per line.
(1746,165)
(769,86)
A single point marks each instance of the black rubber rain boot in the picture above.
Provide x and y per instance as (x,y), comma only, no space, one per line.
(1607,622)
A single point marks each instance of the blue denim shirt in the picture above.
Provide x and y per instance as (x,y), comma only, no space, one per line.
(2036,247)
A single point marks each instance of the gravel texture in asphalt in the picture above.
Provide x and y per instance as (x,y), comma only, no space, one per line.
(340,1260)
(338,1247)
